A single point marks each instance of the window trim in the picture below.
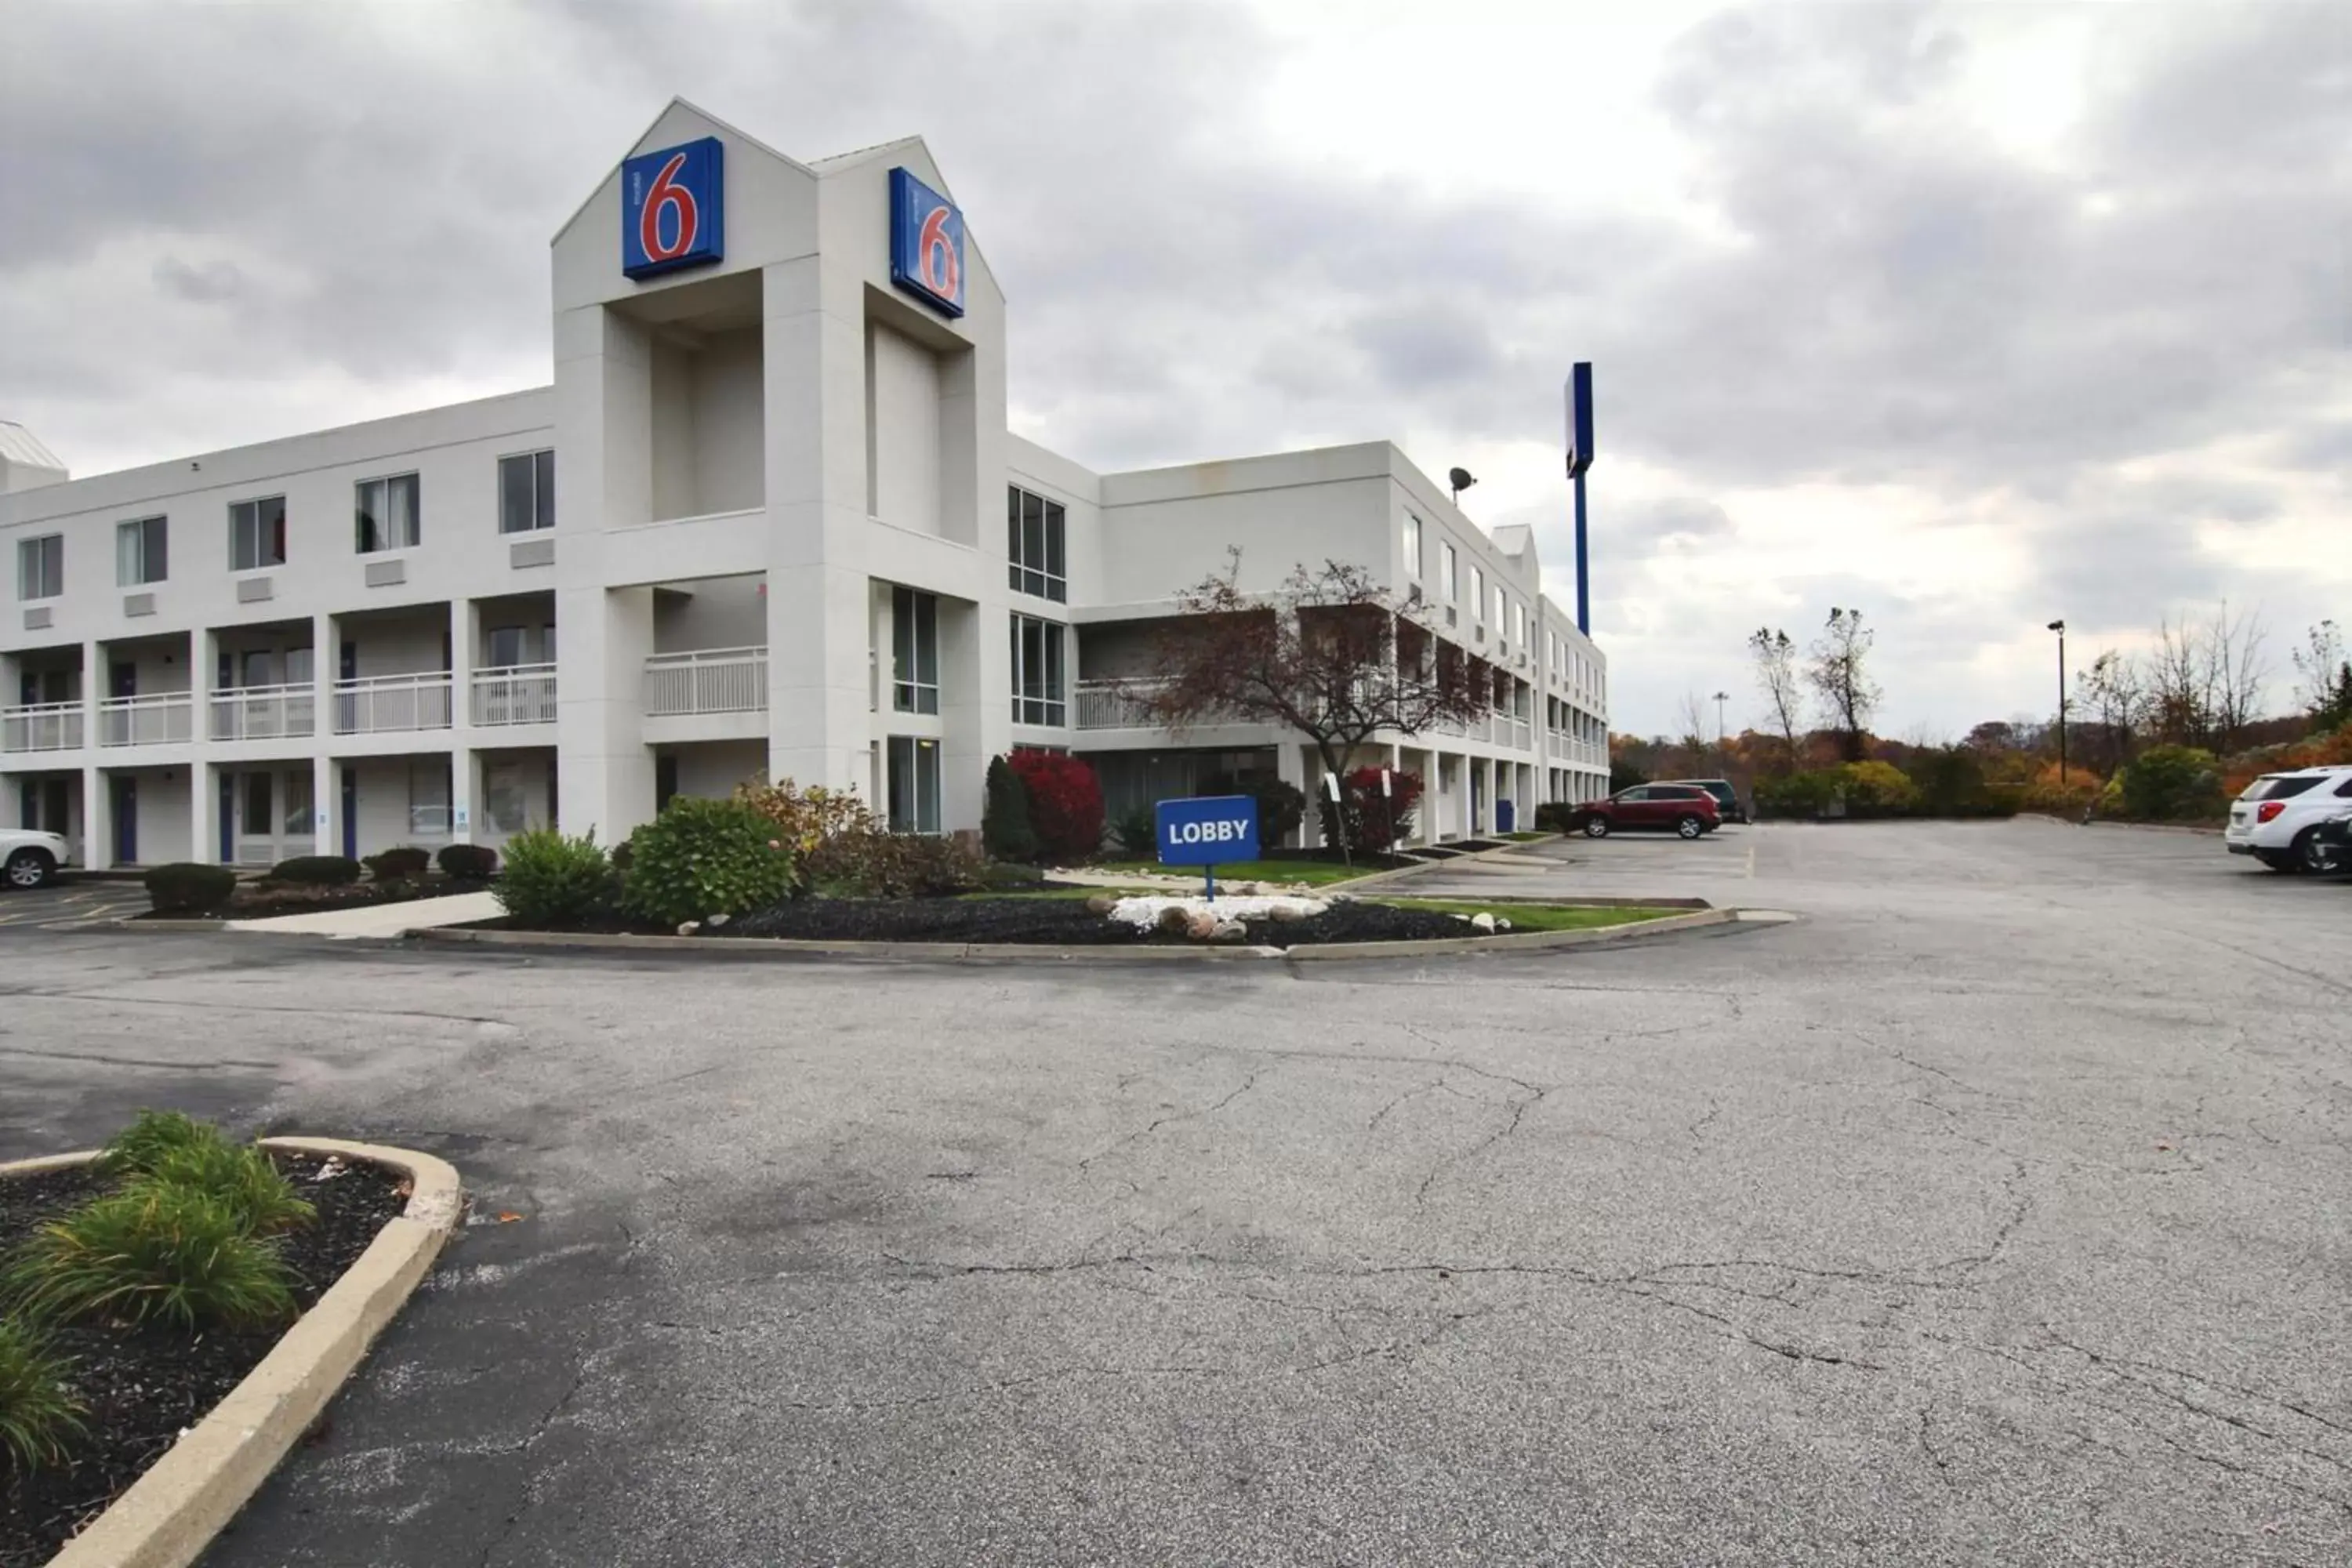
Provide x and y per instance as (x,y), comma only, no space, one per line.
(149,572)
(35,584)
(1048,578)
(359,519)
(1045,702)
(538,510)
(279,535)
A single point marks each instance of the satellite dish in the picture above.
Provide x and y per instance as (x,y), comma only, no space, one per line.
(1461,479)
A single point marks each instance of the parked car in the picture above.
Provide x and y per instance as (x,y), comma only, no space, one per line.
(1727,798)
(2328,847)
(1679,808)
(29,858)
(2278,816)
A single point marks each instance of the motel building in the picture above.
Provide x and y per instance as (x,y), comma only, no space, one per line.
(768,522)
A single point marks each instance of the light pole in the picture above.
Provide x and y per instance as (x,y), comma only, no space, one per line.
(1720,698)
(2060,627)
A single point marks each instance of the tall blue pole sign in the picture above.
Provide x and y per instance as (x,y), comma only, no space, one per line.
(1207,831)
(926,244)
(1579,457)
(673,208)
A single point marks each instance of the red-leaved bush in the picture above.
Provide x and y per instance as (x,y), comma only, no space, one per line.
(1376,822)
(1066,804)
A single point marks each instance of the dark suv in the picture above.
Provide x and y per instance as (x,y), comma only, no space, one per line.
(1727,798)
(1679,808)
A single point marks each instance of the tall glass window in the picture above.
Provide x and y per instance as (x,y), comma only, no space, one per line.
(385,513)
(914,785)
(1451,580)
(139,551)
(1039,691)
(914,651)
(527,491)
(257,533)
(1478,594)
(1412,546)
(1035,543)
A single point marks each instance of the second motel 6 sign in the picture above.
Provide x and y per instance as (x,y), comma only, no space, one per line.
(926,244)
(673,210)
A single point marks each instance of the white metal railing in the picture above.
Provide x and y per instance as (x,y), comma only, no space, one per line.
(1522,733)
(376,703)
(41,727)
(515,694)
(157,718)
(1114,704)
(707,680)
(264,712)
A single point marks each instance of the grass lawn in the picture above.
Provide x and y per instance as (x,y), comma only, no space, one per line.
(1312,873)
(1538,917)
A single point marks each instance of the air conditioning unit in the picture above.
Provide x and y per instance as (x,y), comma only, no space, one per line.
(1451,615)
(1412,595)
(1479,635)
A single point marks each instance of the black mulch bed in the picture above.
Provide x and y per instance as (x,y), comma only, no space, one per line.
(1061,923)
(143,1387)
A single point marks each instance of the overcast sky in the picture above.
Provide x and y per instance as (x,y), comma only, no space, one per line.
(1969,316)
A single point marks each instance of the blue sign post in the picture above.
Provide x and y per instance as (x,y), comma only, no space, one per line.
(1207,830)
(1579,457)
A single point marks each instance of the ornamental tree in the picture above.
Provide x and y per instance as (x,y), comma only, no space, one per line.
(1329,654)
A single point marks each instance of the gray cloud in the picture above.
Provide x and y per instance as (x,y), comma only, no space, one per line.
(208,216)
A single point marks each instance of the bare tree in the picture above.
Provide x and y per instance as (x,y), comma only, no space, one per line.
(2179,686)
(2241,672)
(1329,652)
(2114,692)
(1691,718)
(1838,671)
(1775,658)
(2324,676)
(2206,682)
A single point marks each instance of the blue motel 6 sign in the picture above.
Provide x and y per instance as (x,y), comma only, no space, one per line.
(1207,830)
(673,208)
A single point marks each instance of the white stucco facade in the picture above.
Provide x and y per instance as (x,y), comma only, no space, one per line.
(387,633)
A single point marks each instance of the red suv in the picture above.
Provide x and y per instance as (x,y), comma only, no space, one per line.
(1684,809)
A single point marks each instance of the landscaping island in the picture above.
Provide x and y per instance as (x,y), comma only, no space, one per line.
(138,1291)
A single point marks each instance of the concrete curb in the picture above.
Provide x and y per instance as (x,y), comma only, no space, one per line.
(754,948)
(130,922)
(1509,941)
(172,1512)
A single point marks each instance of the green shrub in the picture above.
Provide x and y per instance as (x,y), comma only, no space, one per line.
(1877,789)
(552,880)
(156,1136)
(239,1175)
(1137,831)
(1006,876)
(38,1416)
(2169,784)
(1004,827)
(403,863)
(704,857)
(186,886)
(1281,806)
(154,1253)
(317,871)
(1800,794)
(1551,817)
(468,862)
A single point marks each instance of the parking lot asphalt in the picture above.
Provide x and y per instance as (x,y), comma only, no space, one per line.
(73,900)
(1993,1211)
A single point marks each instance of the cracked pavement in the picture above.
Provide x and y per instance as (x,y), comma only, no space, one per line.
(1994,1211)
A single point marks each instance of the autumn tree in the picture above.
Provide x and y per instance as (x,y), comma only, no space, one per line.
(1329,654)
(1775,657)
(2324,676)
(2113,694)
(1838,672)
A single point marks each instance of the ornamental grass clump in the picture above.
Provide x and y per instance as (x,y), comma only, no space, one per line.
(39,1416)
(241,1176)
(157,1252)
(155,1136)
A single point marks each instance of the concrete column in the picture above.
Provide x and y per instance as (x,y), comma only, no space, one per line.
(203,807)
(204,794)
(1290,767)
(98,819)
(465,636)
(326,779)
(94,690)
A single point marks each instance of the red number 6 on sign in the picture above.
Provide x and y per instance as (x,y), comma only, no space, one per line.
(649,219)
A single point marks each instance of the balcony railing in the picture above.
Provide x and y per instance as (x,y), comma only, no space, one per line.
(41,727)
(515,694)
(1522,734)
(155,719)
(377,703)
(707,680)
(1115,705)
(264,712)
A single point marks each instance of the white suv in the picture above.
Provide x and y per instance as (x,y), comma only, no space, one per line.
(29,858)
(2275,819)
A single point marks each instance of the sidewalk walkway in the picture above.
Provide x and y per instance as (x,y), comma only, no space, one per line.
(381,919)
